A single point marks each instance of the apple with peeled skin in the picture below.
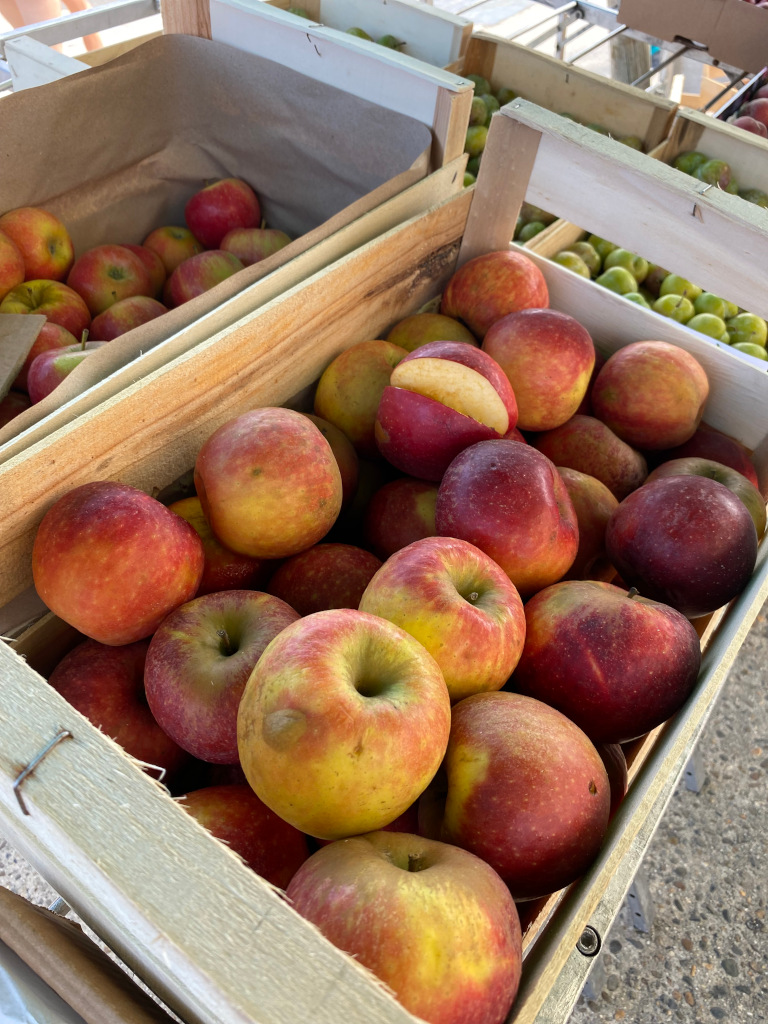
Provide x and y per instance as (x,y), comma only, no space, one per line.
(442,397)
(343,723)
(329,575)
(490,286)
(548,357)
(588,445)
(235,816)
(106,684)
(268,483)
(94,528)
(125,315)
(220,207)
(350,388)
(42,240)
(173,244)
(12,405)
(154,264)
(509,500)
(11,265)
(399,513)
(615,663)
(687,541)
(223,569)
(51,367)
(708,443)
(199,274)
(732,479)
(434,923)
(252,245)
(421,328)
(344,453)
(107,273)
(651,393)
(52,299)
(199,660)
(538,810)
(594,505)
(458,603)
(51,336)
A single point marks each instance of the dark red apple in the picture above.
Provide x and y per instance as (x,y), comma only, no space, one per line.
(325,576)
(708,443)
(399,513)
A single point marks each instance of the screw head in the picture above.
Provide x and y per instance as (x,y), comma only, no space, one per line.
(589,942)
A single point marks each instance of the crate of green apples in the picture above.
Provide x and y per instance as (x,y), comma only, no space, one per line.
(407,365)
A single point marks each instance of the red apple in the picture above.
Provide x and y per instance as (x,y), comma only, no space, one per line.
(615,762)
(124,315)
(42,240)
(687,541)
(268,483)
(252,245)
(343,722)
(488,287)
(50,368)
(106,684)
(11,265)
(548,357)
(350,388)
(421,328)
(613,662)
(325,576)
(12,405)
(509,500)
(731,478)
(113,562)
(593,504)
(458,603)
(399,513)
(652,394)
(749,124)
(590,446)
(199,274)
(756,108)
(153,263)
(51,336)
(344,453)
(173,244)
(107,273)
(708,443)
(441,398)
(199,661)
(432,922)
(51,299)
(235,816)
(223,569)
(538,810)
(220,207)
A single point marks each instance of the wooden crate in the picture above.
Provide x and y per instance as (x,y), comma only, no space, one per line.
(208,935)
(565,89)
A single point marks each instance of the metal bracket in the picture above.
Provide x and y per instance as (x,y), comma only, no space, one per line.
(28,769)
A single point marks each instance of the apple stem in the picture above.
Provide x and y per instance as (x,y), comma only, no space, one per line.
(83,339)
(632,592)
(473,597)
(226,643)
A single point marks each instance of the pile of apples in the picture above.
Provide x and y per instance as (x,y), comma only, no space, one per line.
(719,173)
(752,115)
(671,295)
(389,650)
(113,288)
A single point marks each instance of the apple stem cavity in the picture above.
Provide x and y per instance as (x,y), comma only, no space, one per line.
(227,647)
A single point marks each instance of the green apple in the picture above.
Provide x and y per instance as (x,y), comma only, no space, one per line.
(618,279)
(731,310)
(714,172)
(709,303)
(602,245)
(482,85)
(653,279)
(469,179)
(599,128)
(530,230)
(636,265)
(751,349)
(589,254)
(633,141)
(638,298)
(391,42)
(573,262)
(360,33)
(747,327)
(491,103)
(689,161)
(676,307)
(474,142)
(478,112)
(754,195)
(674,284)
(473,164)
(505,95)
(707,323)
(530,212)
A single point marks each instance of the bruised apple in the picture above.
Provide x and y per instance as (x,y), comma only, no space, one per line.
(615,663)
(509,500)
(434,923)
(268,483)
(343,723)
(441,398)
(490,286)
(458,603)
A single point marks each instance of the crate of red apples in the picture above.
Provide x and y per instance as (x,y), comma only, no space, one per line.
(415,587)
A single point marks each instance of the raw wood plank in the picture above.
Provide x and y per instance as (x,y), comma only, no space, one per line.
(187,17)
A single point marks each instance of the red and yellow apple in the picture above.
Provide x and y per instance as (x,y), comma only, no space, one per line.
(252,245)
(153,263)
(125,315)
(173,244)
(708,443)
(421,328)
(220,207)
(107,273)
(42,240)
(12,270)
(344,453)
(199,274)
(49,368)
(52,299)
(51,336)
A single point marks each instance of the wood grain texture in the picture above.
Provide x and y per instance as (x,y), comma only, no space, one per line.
(187,17)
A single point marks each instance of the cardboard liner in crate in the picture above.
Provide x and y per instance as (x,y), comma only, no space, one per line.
(209,936)
(117,150)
